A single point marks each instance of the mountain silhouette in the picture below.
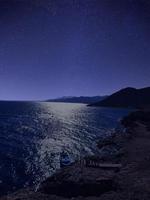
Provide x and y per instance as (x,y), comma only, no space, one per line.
(81,99)
(127,97)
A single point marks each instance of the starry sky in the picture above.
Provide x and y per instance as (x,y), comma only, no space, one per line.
(54,48)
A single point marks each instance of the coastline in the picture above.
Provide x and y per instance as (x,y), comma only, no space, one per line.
(131,150)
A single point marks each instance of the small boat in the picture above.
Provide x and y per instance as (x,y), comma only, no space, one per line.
(64,159)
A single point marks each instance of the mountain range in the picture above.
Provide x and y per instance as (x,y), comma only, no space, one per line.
(81,99)
(127,97)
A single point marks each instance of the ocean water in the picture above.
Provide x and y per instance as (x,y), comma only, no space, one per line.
(33,134)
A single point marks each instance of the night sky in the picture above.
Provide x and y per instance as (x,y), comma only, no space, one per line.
(54,48)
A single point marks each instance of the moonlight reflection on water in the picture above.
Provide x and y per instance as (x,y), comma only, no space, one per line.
(34,133)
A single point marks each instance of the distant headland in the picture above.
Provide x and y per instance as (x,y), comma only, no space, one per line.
(128,97)
(80,99)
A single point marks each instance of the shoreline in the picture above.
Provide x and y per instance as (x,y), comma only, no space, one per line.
(131,150)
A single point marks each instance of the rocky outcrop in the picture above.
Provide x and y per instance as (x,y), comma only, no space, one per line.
(78,180)
(138,116)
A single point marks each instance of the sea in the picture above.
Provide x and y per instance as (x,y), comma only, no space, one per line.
(33,134)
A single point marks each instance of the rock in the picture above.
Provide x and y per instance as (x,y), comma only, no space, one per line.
(105,142)
(79,181)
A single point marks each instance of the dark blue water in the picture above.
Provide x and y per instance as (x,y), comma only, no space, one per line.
(33,134)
